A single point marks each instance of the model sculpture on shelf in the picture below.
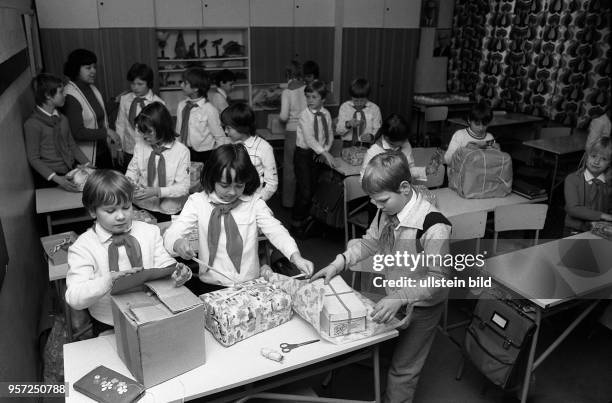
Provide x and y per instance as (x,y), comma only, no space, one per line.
(162,40)
(202,47)
(191,54)
(180,50)
(216,43)
(233,49)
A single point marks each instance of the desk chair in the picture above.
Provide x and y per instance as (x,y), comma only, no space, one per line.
(357,216)
(422,156)
(518,217)
(465,226)
(434,114)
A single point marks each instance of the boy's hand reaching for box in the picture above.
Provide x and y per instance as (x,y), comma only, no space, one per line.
(386,309)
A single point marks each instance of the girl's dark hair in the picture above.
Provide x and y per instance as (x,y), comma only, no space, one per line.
(293,70)
(317,86)
(311,67)
(481,112)
(360,88)
(156,116)
(141,71)
(221,162)
(105,187)
(394,128)
(45,85)
(76,59)
(241,117)
(197,78)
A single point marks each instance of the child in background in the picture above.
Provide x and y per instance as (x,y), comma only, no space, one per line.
(600,126)
(114,247)
(314,139)
(140,77)
(197,120)
(51,149)
(218,96)
(480,117)
(310,69)
(293,102)
(358,119)
(405,223)
(392,136)
(228,215)
(239,121)
(160,166)
(588,191)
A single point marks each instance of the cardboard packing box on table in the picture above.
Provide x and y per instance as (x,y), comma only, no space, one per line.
(56,246)
(234,314)
(159,335)
(343,313)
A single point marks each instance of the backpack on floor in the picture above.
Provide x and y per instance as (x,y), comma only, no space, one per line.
(480,173)
(498,341)
(328,199)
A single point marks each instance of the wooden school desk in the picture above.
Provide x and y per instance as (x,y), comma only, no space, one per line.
(552,276)
(508,119)
(451,204)
(559,146)
(55,200)
(230,367)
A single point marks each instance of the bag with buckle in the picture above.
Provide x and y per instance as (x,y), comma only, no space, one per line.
(328,199)
(498,341)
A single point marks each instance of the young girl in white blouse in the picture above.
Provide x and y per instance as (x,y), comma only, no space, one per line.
(160,165)
(228,214)
(239,122)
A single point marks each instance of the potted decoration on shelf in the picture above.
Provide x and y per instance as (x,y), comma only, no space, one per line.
(216,43)
(162,40)
(202,47)
(180,50)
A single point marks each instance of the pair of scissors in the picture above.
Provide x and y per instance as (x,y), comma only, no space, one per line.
(286,347)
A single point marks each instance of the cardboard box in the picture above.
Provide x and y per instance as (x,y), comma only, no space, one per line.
(159,336)
(233,315)
(56,246)
(343,313)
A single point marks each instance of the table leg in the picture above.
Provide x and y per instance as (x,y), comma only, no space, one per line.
(554,177)
(60,285)
(529,368)
(49,227)
(376,368)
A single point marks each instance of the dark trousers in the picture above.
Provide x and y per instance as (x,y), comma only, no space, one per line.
(305,171)
(98,327)
(199,156)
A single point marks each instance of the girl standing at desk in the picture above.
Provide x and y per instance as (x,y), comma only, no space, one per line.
(588,191)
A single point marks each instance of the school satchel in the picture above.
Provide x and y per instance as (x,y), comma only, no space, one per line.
(480,173)
(328,200)
(498,340)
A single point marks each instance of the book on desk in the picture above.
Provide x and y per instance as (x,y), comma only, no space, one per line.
(528,190)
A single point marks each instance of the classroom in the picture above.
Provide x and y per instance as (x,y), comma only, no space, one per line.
(306,201)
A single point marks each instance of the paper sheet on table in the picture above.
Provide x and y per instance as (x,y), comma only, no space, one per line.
(308,303)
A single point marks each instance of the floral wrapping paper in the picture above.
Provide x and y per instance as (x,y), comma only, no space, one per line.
(308,302)
(234,314)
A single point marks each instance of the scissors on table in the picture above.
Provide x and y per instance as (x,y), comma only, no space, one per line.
(286,347)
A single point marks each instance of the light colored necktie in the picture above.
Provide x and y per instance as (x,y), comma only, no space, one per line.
(358,130)
(387,235)
(136,102)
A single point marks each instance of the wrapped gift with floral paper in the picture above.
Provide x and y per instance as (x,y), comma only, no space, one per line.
(236,313)
(56,246)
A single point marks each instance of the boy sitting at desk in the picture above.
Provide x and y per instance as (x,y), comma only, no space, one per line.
(405,223)
(51,149)
(114,247)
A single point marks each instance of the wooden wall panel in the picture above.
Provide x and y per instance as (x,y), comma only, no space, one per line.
(316,43)
(122,47)
(397,69)
(271,51)
(360,58)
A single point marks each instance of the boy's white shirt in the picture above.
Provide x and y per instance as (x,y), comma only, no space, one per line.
(205,131)
(251,215)
(88,280)
(293,102)
(305,131)
(130,136)
(346,112)
(218,97)
(462,138)
(262,157)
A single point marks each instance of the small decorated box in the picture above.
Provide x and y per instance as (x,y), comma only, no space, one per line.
(234,314)
(56,246)
(354,155)
(343,313)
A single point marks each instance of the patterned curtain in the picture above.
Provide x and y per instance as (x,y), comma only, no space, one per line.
(548,58)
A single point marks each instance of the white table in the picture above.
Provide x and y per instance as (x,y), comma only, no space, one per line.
(53,200)
(451,204)
(226,367)
(551,276)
